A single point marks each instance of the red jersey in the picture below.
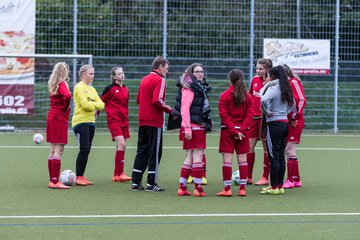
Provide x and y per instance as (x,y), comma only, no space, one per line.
(235,118)
(300,99)
(257,83)
(116,99)
(151,100)
(58,116)
(59,103)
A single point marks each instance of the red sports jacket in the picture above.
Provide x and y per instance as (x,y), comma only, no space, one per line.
(257,83)
(232,116)
(116,101)
(151,100)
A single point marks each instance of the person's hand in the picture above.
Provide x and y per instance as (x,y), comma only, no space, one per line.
(188,136)
(293,123)
(239,136)
(97,113)
(271,114)
(175,112)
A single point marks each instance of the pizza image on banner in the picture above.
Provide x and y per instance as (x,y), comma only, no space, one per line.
(16,43)
(17,37)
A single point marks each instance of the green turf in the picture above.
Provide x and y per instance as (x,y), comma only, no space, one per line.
(329,164)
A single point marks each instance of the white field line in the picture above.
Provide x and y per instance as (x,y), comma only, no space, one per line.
(174,147)
(183,215)
(354,135)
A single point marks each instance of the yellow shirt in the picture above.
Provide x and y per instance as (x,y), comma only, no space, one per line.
(86,101)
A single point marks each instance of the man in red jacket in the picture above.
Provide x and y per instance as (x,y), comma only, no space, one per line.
(151,100)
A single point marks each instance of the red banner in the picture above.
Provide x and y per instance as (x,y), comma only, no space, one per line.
(17,36)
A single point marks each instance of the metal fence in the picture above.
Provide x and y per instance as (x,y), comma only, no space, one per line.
(220,34)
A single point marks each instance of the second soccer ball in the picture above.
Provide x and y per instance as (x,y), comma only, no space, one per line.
(236,177)
(67,177)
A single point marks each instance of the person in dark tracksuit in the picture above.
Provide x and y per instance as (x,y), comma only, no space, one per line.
(151,100)
(276,103)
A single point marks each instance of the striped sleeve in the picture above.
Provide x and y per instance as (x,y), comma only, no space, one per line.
(159,96)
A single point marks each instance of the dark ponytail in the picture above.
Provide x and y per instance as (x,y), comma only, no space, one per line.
(278,72)
(236,78)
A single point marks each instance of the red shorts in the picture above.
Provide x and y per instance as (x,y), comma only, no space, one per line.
(117,130)
(254,128)
(56,130)
(198,140)
(295,133)
(228,143)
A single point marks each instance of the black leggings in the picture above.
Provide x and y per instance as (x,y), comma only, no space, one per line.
(84,134)
(276,143)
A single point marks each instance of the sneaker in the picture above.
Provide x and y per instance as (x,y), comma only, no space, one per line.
(242,192)
(281,191)
(183,192)
(204,181)
(60,185)
(250,181)
(270,191)
(288,184)
(80,181)
(197,193)
(115,178)
(190,179)
(137,187)
(123,178)
(88,182)
(297,184)
(154,188)
(262,181)
(224,193)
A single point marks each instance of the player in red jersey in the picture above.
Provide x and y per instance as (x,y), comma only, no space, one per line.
(263,65)
(296,126)
(116,99)
(58,121)
(235,110)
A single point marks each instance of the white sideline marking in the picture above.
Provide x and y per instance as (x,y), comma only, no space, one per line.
(178,147)
(184,215)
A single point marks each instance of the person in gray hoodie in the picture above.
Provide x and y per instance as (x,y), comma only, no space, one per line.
(276,103)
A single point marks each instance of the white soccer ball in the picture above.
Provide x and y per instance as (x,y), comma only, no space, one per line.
(38,138)
(67,177)
(236,177)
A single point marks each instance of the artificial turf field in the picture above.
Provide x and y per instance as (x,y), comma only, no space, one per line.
(326,207)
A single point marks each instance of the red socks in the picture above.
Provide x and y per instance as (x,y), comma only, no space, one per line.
(296,171)
(243,170)
(54,166)
(250,161)
(197,173)
(291,169)
(184,175)
(50,168)
(227,172)
(119,162)
(204,165)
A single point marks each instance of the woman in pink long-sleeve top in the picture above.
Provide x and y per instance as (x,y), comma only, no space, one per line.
(193,104)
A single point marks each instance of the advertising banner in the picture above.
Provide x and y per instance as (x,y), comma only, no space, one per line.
(17,36)
(303,56)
